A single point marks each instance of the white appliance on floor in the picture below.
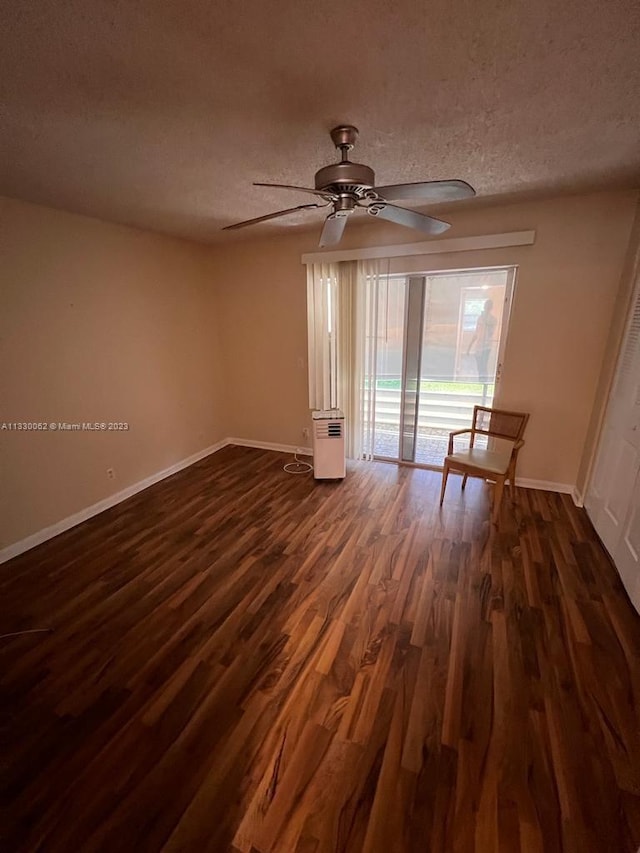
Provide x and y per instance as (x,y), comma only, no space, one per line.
(328,445)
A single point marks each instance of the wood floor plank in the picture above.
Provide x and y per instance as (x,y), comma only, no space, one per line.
(243,661)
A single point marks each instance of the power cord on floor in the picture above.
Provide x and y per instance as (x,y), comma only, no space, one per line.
(298,466)
(29,631)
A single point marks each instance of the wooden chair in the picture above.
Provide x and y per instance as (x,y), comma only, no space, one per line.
(498,464)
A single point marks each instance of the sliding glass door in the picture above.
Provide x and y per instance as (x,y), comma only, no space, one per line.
(439,353)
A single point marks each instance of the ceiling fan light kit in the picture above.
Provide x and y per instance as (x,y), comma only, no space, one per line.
(347,186)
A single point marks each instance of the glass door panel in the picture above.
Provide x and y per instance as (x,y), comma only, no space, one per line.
(391,311)
(462,322)
(437,355)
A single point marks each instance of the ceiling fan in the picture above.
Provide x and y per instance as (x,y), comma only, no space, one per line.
(346,186)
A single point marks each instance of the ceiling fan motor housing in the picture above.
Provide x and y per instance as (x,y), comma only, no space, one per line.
(345,177)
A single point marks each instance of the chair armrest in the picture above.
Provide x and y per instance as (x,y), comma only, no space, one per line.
(518,444)
(452,436)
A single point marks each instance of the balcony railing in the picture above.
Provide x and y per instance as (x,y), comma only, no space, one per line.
(443,406)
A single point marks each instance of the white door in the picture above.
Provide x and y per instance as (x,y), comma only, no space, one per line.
(613,497)
(627,554)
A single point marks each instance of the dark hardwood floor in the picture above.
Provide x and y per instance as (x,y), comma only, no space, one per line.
(245,660)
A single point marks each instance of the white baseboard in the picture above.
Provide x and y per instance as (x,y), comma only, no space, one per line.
(545,485)
(268,445)
(77,518)
(548,486)
(578,497)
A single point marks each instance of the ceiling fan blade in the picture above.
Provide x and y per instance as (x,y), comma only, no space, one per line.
(428,190)
(272,216)
(409,218)
(333,229)
(322,194)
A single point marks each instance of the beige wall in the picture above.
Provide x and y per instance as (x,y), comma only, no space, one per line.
(191,344)
(99,323)
(565,297)
(262,300)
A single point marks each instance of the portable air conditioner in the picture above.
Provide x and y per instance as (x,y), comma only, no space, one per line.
(328,445)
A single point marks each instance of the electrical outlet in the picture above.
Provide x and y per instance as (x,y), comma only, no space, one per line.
(111,474)
(305,432)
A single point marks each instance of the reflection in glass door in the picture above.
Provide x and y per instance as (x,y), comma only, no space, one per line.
(440,340)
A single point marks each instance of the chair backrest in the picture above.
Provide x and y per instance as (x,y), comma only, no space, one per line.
(499,423)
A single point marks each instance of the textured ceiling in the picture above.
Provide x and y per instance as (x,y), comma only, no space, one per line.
(161,113)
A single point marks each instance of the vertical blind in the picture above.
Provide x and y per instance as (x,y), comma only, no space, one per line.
(342,315)
(371,277)
(322,281)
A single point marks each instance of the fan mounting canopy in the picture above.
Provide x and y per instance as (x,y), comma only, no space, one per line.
(344,136)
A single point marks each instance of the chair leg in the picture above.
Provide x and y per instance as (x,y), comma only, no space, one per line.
(445,474)
(512,480)
(497,499)
(464,480)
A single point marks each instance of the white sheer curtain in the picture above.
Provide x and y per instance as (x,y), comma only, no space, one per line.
(342,313)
